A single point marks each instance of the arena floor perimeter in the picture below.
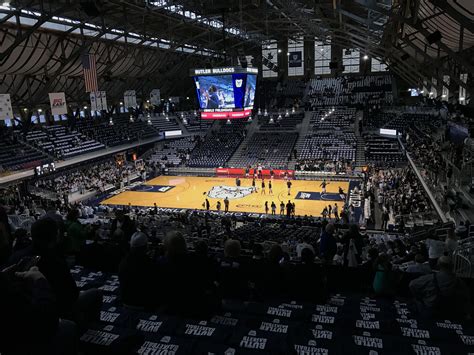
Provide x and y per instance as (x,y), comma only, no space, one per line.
(191,192)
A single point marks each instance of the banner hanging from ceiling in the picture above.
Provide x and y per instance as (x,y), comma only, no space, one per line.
(155,97)
(98,101)
(6,111)
(130,98)
(58,103)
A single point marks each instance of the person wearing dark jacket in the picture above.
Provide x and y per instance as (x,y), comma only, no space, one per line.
(138,275)
(122,229)
(306,280)
(353,245)
(44,235)
(29,321)
(442,294)
(328,247)
(185,290)
(71,304)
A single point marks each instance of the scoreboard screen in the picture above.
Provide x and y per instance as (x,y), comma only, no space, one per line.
(225,92)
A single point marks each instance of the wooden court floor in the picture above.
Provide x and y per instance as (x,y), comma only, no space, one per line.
(191,192)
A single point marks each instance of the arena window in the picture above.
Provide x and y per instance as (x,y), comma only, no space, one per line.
(351,61)
(322,58)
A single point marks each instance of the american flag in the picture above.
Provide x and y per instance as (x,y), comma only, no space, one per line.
(90,72)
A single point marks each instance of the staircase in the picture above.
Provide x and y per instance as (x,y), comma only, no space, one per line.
(360,151)
(303,130)
(251,129)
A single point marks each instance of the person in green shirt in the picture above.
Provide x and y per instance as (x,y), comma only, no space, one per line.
(76,233)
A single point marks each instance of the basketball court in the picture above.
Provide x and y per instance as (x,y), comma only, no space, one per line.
(191,192)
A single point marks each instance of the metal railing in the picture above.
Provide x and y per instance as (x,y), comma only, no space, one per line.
(462,258)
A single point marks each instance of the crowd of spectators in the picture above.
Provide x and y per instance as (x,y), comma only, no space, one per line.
(93,177)
(327,166)
(399,193)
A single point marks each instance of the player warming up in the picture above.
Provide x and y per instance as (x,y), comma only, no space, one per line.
(226,204)
(263,188)
(323,186)
(288,184)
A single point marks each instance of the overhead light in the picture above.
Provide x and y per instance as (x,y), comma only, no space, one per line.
(271,121)
(187,97)
(250,119)
(265,113)
(40,110)
(287,113)
(131,118)
(121,103)
(85,107)
(111,122)
(228,122)
(25,109)
(443,95)
(288,54)
(279,51)
(279,117)
(366,57)
(167,118)
(462,98)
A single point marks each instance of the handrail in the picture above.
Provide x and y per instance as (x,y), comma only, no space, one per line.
(435,204)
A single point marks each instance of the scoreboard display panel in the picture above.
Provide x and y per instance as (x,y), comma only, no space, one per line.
(224,93)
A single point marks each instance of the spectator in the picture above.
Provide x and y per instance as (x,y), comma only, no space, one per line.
(232,271)
(75,232)
(138,275)
(420,266)
(44,234)
(451,243)
(306,280)
(461,230)
(383,280)
(436,248)
(5,237)
(29,321)
(328,247)
(185,292)
(271,283)
(304,244)
(122,229)
(442,295)
(353,245)
(71,305)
